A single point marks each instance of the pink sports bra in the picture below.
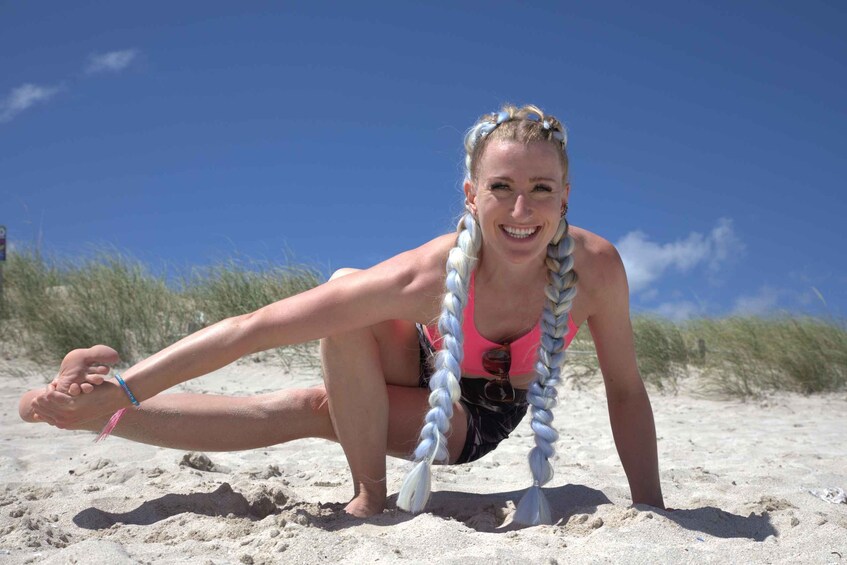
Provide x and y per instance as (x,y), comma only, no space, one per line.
(524,350)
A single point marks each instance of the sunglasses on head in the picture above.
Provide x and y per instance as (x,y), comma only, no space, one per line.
(497,362)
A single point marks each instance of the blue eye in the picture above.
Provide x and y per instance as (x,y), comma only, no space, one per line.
(499,186)
(542,188)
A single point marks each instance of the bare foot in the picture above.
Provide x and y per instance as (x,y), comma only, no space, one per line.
(365,505)
(83,369)
(25,408)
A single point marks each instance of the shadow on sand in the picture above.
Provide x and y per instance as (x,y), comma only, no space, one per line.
(482,512)
(223,501)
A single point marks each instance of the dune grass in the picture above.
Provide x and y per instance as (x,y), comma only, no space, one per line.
(735,356)
(51,307)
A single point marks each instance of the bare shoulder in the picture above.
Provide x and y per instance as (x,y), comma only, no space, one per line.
(420,268)
(404,287)
(417,276)
(600,269)
(596,258)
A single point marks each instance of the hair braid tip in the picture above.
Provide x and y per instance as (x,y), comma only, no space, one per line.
(444,385)
(533,508)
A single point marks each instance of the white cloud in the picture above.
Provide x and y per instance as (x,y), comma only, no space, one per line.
(767,300)
(647,261)
(113,61)
(678,311)
(650,294)
(22,98)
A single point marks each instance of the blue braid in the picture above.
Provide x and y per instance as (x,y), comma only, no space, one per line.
(444,384)
(533,508)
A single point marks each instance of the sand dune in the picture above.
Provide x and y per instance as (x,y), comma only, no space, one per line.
(739,475)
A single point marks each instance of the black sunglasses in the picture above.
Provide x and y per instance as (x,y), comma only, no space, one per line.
(497,362)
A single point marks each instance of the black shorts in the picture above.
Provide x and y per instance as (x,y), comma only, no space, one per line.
(489,422)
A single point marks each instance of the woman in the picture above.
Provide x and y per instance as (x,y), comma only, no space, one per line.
(511,307)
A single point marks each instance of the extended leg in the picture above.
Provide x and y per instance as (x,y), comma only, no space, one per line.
(207,422)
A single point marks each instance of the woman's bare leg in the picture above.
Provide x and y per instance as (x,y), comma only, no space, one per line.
(207,422)
(357,366)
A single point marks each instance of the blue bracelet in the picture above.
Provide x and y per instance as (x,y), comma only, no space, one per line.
(127,391)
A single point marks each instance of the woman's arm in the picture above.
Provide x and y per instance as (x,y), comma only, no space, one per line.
(390,290)
(629,407)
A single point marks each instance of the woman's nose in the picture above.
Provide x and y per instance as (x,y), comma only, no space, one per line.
(522,207)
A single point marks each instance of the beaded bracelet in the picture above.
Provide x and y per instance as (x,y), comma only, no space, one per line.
(116,417)
(127,391)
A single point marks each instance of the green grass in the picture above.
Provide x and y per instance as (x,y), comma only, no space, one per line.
(50,307)
(748,356)
(735,356)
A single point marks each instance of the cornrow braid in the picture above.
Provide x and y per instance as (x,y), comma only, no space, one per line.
(526,124)
(444,384)
(533,508)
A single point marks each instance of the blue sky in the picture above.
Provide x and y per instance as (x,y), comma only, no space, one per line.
(706,139)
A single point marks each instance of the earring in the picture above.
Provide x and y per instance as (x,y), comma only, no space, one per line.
(564,209)
(469,209)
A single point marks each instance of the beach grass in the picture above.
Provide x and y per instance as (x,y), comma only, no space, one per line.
(738,356)
(50,307)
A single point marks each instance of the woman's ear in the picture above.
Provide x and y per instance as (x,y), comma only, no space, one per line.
(470,197)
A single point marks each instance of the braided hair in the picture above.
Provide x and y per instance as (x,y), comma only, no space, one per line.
(561,291)
(444,384)
(525,124)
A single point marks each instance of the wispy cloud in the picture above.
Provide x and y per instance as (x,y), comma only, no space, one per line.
(764,301)
(647,261)
(28,95)
(678,311)
(111,62)
(24,97)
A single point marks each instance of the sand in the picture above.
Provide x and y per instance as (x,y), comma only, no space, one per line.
(739,475)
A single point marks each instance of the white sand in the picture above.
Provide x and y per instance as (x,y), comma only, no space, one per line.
(738,473)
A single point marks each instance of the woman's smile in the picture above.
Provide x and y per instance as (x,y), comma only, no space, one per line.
(520,232)
(518,199)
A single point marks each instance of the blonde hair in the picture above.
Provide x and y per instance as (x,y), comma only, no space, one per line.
(525,124)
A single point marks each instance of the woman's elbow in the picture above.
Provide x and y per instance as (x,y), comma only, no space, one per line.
(249,333)
(626,390)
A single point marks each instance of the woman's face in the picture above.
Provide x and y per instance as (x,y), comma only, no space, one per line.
(518,197)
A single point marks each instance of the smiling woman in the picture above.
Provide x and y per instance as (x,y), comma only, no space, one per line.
(521,192)
(510,310)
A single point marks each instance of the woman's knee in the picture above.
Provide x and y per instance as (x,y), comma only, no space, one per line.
(309,403)
(344,271)
(311,399)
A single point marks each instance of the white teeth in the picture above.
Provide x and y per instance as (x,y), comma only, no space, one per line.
(520,233)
